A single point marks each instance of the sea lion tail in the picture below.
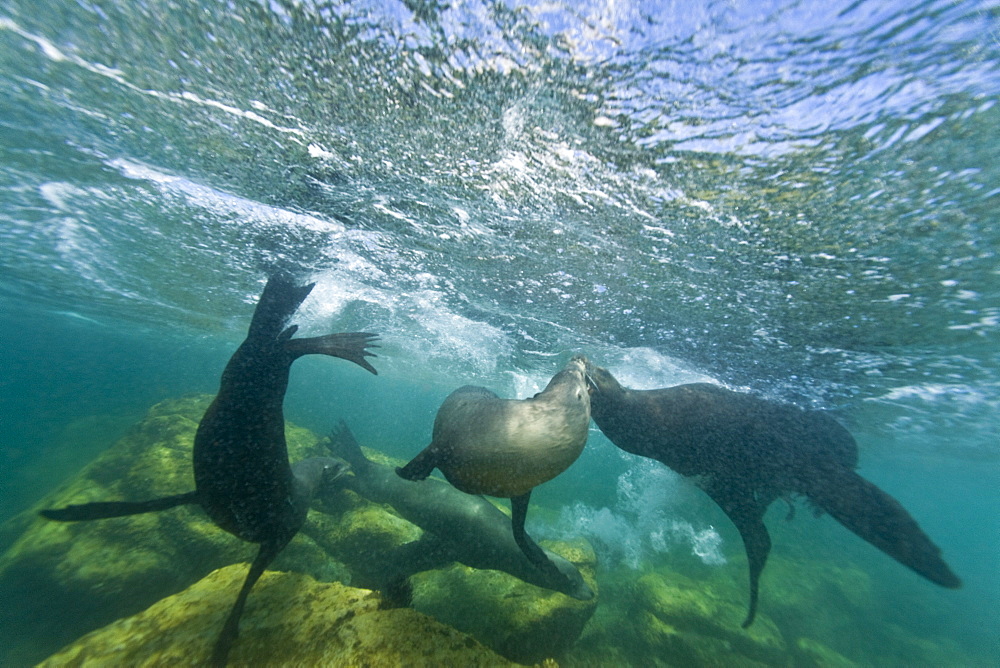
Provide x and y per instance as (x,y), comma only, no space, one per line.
(279,300)
(420,466)
(350,346)
(342,443)
(882,521)
(104,509)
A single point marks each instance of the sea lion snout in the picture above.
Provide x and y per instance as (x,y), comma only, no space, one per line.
(599,379)
(334,469)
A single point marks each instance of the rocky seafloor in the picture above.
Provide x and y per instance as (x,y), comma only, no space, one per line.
(154,589)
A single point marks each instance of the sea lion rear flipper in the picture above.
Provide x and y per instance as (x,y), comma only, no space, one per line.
(757,543)
(104,509)
(342,443)
(420,466)
(882,521)
(280,298)
(745,507)
(531,549)
(266,554)
(350,346)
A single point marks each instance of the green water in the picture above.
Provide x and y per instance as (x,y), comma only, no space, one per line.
(796,199)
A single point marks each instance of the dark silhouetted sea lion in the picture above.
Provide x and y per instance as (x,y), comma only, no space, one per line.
(746,452)
(457,526)
(242,476)
(506,447)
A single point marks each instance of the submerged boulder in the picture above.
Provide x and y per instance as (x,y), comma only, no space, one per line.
(62,579)
(359,533)
(517,620)
(290,620)
(695,623)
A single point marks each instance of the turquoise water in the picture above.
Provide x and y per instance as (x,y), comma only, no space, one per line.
(797,199)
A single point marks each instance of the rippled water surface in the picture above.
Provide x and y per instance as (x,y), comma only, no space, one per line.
(794,198)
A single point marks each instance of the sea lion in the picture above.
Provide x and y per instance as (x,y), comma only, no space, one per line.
(457,526)
(506,447)
(243,479)
(746,452)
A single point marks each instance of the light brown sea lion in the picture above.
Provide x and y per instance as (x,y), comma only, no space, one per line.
(506,447)
(449,518)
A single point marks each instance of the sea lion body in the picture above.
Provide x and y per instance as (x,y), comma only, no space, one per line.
(245,423)
(506,447)
(746,452)
(243,479)
(701,429)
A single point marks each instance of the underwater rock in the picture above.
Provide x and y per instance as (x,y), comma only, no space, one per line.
(59,580)
(696,623)
(360,535)
(292,620)
(837,596)
(666,619)
(811,654)
(522,622)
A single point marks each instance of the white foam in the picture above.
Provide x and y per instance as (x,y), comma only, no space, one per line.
(934,392)
(646,369)
(644,521)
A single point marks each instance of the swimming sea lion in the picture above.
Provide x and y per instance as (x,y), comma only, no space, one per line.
(242,476)
(457,526)
(746,452)
(506,447)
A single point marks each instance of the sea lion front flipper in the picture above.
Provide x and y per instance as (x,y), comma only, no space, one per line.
(882,521)
(350,346)
(420,466)
(745,506)
(531,549)
(104,509)
(266,554)
(757,543)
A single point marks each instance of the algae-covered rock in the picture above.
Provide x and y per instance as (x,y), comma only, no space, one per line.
(819,598)
(361,536)
(695,623)
(813,654)
(520,621)
(661,618)
(290,620)
(59,580)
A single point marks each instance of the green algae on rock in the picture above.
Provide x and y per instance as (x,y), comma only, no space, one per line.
(292,620)
(517,620)
(361,537)
(59,580)
(696,622)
